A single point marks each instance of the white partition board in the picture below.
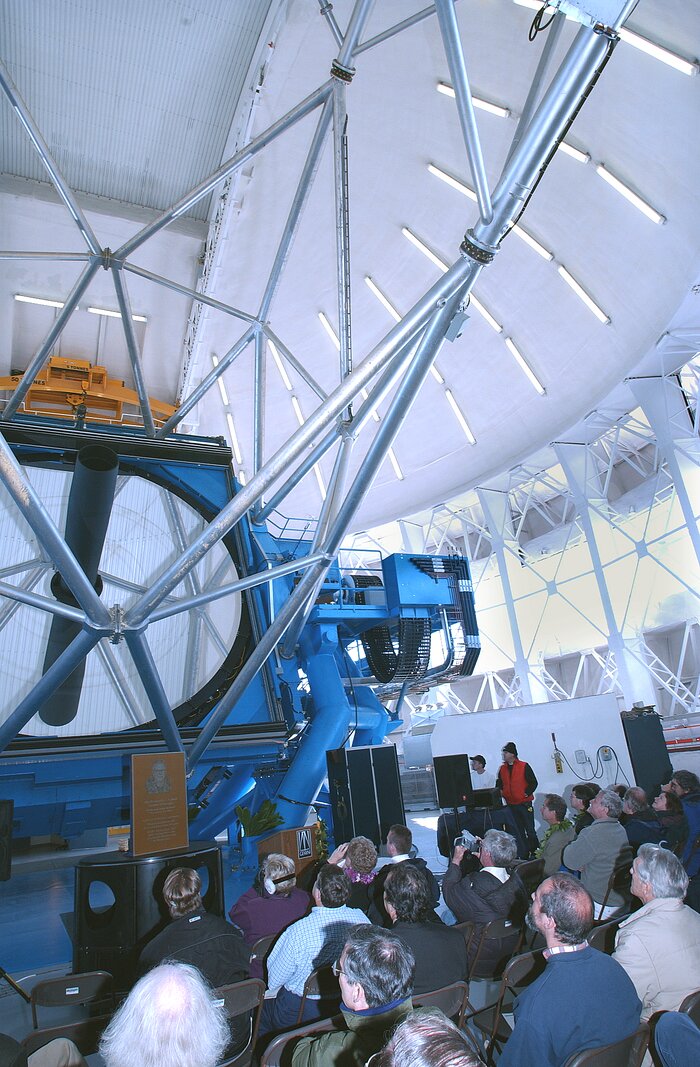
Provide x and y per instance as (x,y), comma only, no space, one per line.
(585,724)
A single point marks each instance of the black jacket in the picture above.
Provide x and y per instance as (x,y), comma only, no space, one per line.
(212,945)
(377,911)
(480,898)
(440,952)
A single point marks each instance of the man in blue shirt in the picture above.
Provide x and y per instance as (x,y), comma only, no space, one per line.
(583,1000)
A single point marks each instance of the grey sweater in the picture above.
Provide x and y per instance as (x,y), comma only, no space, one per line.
(596,852)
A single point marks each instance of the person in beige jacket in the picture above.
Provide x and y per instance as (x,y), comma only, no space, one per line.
(659,945)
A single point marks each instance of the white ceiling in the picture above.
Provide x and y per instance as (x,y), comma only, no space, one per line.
(142,107)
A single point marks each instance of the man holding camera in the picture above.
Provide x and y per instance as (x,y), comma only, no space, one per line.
(493,892)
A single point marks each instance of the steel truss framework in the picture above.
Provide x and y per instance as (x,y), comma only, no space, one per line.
(642,483)
(400,361)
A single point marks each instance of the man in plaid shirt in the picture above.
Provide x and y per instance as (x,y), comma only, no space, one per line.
(315,941)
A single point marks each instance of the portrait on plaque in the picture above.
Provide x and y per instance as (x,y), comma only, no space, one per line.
(158,803)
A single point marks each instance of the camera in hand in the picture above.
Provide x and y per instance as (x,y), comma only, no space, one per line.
(468,841)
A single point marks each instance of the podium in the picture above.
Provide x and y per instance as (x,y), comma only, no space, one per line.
(299,844)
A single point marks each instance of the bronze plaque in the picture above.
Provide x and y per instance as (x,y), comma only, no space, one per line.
(158,803)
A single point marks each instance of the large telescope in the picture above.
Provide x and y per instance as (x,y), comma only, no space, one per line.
(89,508)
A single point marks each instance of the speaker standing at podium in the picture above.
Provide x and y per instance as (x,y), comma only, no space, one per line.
(516,780)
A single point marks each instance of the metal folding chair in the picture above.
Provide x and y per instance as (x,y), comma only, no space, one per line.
(603,936)
(244,998)
(626,1053)
(491,1021)
(279,1052)
(73,990)
(321,984)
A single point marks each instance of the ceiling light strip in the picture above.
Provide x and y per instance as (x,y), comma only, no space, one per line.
(234,439)
(280,365)
(477,101)
(395,464)
(575,153)
(525,366)
(583,295)
(486,315)
(386,303)
(38,300)
(624,190)
(114,314)
(220,383)
(532,243)
(460,417)
(329,330)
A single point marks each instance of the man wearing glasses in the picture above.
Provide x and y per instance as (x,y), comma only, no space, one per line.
(375,971)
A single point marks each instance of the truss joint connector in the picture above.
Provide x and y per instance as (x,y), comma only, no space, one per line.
(343,74)
(473,248)
(117,620)
(107,259)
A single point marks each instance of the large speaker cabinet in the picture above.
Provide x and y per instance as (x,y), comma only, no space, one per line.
(110,936)
(453,781)
(647,748)
(365,791)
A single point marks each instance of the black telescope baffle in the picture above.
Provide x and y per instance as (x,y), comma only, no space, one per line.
(89,508)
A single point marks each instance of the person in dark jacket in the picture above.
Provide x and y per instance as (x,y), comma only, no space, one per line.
(686,786)
(494,892)
(440,951)
(216,948)
(516,780)
(581,796)
(641,824)
(674,825)
(399,843)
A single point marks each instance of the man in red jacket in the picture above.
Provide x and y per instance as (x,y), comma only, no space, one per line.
(517,782)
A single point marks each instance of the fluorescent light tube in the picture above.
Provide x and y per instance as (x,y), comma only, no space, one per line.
(329,330)
(280,365)
(532,243)
(525,366)
(575,153)
(234,439)
(220,383)
(319,479)
(383,300)
(37,300)
(664,55)
(297,410)
(485,314)
(460,417)
(114,314)
(584,296)
(633,198)
(477,101)
(454,182)
(395,464)
(424,249)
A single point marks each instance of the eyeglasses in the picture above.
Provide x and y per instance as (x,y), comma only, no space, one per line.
(335,969)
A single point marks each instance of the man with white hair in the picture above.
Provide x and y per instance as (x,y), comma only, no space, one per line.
(171,1018)
(599,849)
(659,945)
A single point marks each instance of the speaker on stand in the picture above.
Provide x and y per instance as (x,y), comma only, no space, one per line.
(365,792)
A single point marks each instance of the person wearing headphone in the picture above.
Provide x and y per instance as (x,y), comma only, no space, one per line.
(272,904)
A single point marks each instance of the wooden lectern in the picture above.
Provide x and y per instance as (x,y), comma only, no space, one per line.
(299,844)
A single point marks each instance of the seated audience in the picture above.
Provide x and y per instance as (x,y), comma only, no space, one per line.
(641,824)
(272,903)
(494,892)
(677,1040)
(399,842)
(599,849)
(171,1018)
(581,797)
(674,825)
(583,1000)
(686,786)
(427,1038)
(440,951)
(358,859)
(206,941)
(309,943)
(57,1053)
(659,945)
(559,833)
(375,971)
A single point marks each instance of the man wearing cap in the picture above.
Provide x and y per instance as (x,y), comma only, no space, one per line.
(516,780)
(481,779)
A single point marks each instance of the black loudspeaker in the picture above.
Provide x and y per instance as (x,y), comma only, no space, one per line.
(6,811)
(119,905)
(365,792)
(453,781)
(647,748)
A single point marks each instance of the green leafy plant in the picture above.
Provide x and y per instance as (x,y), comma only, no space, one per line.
(321,832)
(266,818)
